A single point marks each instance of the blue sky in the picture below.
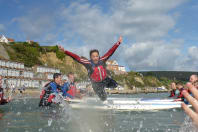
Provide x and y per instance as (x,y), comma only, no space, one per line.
(158,34)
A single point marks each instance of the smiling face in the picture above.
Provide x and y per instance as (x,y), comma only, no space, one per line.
(173,85)
(58,80)
(71,77)
(193,78)
(95,57)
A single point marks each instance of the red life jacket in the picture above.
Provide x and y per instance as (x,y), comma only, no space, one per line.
(180,94)
(1,96)
(99,73)
(2,101)
(172,93)
(72,90)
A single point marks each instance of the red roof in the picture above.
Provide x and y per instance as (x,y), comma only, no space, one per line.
(10,39)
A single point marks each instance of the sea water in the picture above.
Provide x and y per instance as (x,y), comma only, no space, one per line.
(24,115)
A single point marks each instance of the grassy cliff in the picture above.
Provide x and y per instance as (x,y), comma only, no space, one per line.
(34,54)
(135,79)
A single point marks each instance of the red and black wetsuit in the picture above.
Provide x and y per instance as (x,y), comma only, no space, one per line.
(172,93)
(48,94)
(2,100)
(97,72)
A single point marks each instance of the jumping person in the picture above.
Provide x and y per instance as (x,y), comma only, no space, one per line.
(2,99)
(96,68)
(51,90)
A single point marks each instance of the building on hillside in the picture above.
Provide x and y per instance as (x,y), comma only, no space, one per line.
(4,39)
(113,65)
(30,41)
(45,69)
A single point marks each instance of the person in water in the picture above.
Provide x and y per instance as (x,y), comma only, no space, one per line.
(194,80)
(173,91)
(96,68)
(69,88)
(51,90)
(3,101)
(192,113)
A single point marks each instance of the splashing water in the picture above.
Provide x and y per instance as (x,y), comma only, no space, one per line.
(188,126)
(66,119)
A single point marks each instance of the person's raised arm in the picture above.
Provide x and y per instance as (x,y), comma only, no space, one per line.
(74,56)
(112,50)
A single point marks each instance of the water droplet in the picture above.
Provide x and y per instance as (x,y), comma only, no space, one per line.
(50,122)
(18,113)
(62,128)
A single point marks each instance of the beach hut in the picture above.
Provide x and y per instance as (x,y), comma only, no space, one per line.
(3,63)
(11,65)
(31,75)
(15,65)
(5,72)
(36,84)
(7,64)
(9,72)
(22,82)
(18,85)
(21,66)
(1,71)
(29,83)
(26,83)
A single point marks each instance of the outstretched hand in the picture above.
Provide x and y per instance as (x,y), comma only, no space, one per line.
(61,48)
(120,39)
(193,113)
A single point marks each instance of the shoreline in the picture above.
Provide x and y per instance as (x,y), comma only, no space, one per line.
(134,91)
(35,93)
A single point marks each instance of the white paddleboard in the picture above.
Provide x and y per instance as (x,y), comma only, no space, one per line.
(126,104)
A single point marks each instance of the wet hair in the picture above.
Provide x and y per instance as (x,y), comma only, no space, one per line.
(179,83)
(56,75)
(92,51)
(70,73)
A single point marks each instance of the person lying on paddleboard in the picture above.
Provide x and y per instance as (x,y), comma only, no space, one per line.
(96,68)
(51,90)
(3,101)
(69,88)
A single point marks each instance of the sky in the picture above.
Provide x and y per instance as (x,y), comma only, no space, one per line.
(158,35)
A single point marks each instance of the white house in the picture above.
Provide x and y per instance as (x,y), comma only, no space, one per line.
(112,62)
(122,68)
(5,40)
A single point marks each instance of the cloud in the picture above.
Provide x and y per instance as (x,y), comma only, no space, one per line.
(189,62)
(138,20)
(2,28)
(36,24)
(152,55)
